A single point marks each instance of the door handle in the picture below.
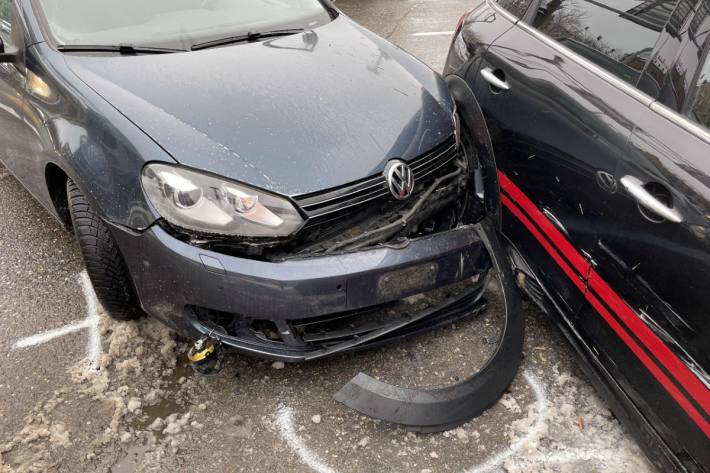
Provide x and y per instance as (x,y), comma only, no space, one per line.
(494,80)
(645,198)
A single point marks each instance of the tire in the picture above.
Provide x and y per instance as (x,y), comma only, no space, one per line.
(104,263)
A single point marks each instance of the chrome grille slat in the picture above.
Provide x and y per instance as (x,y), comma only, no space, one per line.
(420,163)
(321,205)
(422,174)
(369,198)
(377,182)
(320,195)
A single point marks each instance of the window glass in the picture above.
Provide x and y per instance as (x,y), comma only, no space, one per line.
(5,16)
(173,23)
(699,109)
(667,49)
(618,35)
(681,79)
(516,7)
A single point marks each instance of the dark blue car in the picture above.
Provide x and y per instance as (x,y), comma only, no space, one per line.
(268,172)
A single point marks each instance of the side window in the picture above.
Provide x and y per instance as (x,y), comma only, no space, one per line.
(699,109)
(684,76)
(516,7)
(667,49)
(5,17)
(618,36)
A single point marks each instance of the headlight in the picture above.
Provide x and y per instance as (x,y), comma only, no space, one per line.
(206,204)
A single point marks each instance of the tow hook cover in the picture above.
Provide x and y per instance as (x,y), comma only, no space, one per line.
(445,408)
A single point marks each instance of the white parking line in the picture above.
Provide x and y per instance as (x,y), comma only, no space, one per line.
(434,33)
(494,463)
(91,323)
(45,337)
(93,344)
(284,422)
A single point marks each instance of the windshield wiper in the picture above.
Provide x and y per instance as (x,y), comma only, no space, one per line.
(127,49)
(245,38)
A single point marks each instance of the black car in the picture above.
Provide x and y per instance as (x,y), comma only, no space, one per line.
(269,173)
(599,114)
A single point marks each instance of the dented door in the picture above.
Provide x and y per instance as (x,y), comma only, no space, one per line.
(559,131)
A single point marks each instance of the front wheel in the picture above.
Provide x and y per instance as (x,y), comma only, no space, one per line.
(104,263)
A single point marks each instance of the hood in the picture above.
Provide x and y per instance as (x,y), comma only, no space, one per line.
(292,115)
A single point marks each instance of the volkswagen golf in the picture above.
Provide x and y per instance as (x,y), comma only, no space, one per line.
(266,172)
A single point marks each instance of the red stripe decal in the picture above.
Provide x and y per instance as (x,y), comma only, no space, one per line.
(578,261)
(555,255)
(651,366)
(655,345)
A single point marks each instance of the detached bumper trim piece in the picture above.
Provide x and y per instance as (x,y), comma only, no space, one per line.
(441,409)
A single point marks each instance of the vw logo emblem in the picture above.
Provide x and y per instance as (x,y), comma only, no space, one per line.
(607,181)
(400,179)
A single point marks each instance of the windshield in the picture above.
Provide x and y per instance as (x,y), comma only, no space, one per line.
(173,23)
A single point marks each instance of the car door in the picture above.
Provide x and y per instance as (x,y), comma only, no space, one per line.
(12,83)
(560,108)
(653,271)
(563,106)
(477,29)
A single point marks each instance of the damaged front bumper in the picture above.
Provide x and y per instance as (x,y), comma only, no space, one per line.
(445,408)
(311,307)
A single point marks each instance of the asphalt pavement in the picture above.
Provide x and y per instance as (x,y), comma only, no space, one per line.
(81,393)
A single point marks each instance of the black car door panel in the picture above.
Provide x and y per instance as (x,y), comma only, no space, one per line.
(558,132)
(652,261)
(652,275)
(474,34)
(576,143)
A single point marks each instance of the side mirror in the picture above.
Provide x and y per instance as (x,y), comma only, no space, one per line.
(9,54)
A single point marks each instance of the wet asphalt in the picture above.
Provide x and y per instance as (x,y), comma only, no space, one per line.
(256,416)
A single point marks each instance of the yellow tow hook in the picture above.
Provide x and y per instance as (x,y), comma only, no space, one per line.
(206,356)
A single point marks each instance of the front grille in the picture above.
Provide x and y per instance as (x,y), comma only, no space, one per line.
(364,213)
(331,204)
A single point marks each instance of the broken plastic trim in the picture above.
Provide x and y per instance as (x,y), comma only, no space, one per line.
(370,236)
(442,409)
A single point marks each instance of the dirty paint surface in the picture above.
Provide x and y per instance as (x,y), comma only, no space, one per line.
(144,410)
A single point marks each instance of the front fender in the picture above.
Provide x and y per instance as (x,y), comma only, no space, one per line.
(474,122)
(96,146)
